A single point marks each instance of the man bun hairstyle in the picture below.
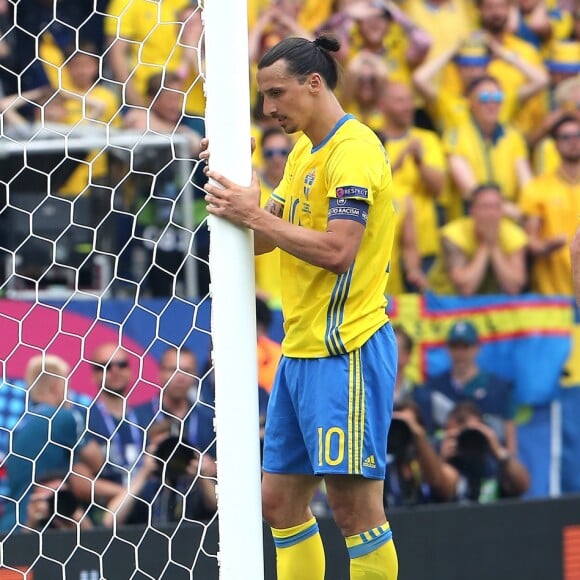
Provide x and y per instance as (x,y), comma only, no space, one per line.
(304,57)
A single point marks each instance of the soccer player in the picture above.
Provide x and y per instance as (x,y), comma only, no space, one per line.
(331,404)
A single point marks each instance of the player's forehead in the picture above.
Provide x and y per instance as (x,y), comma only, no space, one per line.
(274,76)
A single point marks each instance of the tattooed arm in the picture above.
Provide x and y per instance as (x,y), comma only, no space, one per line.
(262,244)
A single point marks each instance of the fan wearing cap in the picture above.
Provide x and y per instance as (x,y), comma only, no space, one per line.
(466,381)
(537,23)
(468,61)
(564,68)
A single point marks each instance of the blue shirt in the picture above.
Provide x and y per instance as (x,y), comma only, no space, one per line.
(492,394)
(47,439)
(197,430)
(12,407)
(121,440)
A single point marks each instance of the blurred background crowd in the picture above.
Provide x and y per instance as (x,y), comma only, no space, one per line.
(477,103)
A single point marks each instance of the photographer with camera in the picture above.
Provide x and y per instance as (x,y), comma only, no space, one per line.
(487,470)
(465,380)
(54,505)
(173,481)
(416,473)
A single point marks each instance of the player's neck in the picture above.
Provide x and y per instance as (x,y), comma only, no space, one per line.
(324,120)
(393,131)
(570,172)
(114,403)
(464,373)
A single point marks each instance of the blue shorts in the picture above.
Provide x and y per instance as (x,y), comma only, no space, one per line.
(332,415)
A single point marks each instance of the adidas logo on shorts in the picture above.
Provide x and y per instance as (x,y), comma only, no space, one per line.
(370,462)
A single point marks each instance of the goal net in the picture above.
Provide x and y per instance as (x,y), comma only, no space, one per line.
(108,451)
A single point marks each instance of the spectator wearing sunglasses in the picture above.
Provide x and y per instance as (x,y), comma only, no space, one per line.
(112,423)
(494,21)
(485,150)
(275,145)
(365,80)
(551,206)
(467,61)
(564,68)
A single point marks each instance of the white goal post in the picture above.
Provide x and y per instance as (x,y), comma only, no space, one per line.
(71,320)
(232,274)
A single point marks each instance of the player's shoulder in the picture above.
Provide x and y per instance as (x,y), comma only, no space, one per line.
(358,139)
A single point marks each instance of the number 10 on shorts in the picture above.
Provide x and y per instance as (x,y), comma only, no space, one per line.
(330,446)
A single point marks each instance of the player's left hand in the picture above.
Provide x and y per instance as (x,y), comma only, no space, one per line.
(231,201)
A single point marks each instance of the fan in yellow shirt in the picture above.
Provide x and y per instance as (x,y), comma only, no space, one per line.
(275,146)
(551,206)
(418,165)
(142,38)
(448,106)
(88,103)
(363,85)
(483,253)
(484,150)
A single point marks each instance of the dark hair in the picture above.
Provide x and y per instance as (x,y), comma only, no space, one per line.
(486,187)
(472,86)
(160,81)
(463,411)
(87,47)
(263,313)
(304,57)
(179,351)
(411,405)
(407,340)
(269,132)
(556,126)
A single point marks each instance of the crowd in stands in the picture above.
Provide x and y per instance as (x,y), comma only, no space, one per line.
(73,461)
(467,96)
(477,103)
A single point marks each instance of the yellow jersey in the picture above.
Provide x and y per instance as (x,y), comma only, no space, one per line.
(346,176)
(495,161)
(461,233)
(394,54)
(450,109)
(557,204)
(95,166)
(408,179)
(152,28)
(395,283)
(268,265)
(546,157)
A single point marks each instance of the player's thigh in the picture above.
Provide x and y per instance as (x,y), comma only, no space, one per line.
(346,406)
(284,448)
(286,498)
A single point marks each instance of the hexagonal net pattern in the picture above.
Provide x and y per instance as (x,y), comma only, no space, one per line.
(107,442)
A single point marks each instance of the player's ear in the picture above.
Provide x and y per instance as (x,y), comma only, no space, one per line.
(315,83)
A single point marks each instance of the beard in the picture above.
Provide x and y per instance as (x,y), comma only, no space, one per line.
(495,25)
(573,159)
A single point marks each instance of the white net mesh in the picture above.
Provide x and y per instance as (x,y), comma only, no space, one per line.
(106,401)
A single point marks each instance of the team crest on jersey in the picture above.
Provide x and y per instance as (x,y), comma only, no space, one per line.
(308,181)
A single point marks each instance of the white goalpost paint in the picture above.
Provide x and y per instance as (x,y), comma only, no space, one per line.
(232,291)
